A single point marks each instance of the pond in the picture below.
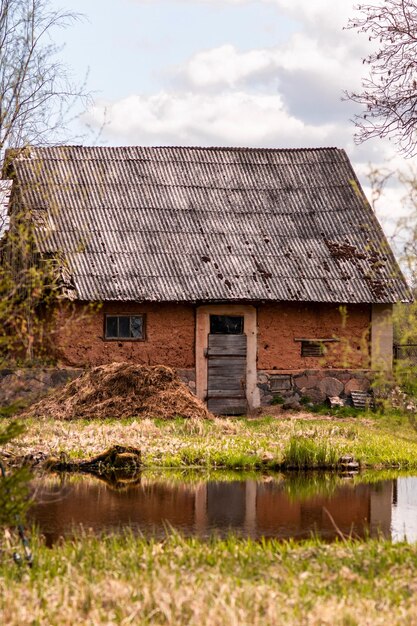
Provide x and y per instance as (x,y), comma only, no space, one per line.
(293,506)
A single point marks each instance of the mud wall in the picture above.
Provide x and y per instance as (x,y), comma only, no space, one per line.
(78,338)
(280,324)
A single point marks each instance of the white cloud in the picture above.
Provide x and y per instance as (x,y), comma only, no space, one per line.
(233,118)
(328,14)
(309,72)
(286,95)
(225,66)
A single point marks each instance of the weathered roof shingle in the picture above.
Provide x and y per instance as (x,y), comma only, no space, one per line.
(209,224)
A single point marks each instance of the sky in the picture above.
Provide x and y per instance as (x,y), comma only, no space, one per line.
(258,73)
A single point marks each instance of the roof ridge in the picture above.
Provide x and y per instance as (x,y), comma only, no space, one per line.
(178,147)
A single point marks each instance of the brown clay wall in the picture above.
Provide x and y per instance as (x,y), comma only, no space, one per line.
(280,324)
(78,339)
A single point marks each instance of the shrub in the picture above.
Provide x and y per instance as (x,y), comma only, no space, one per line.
(14,486)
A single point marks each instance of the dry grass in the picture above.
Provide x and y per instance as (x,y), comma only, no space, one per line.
(126,580)
(122,390)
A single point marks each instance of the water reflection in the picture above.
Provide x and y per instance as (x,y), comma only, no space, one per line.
(404,510)
(281,507)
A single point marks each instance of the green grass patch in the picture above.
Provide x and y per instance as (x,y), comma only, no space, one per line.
(308,453)
(375,440)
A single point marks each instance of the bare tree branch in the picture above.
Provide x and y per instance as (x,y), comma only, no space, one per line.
(36,96)
(389,93)
(35,89)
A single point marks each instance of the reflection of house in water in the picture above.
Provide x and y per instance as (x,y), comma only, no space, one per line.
(404,518)
(248,508)
(266,509)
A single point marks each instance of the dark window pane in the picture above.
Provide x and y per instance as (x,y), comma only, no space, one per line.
(111,327)
(226,325)
(136,327)
(124,327)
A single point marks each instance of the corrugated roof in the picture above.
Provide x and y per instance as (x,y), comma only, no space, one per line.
(5,192)
(208,224)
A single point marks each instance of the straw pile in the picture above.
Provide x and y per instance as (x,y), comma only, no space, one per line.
(121,390)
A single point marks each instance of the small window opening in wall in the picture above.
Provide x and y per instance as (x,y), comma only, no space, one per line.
(226,324)
(312,348)
(130,327)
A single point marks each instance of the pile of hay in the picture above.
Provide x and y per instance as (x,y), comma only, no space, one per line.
(122,390)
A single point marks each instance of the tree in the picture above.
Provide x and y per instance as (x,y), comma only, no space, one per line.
(36,91)
(403,238)
(28,287)
(36,99)
(389,93)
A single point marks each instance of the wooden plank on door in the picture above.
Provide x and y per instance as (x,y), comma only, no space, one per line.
(231,345)
(226,388)
(227,406)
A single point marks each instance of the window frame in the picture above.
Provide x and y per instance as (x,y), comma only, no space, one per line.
(240,317)
(314,346)
(135,339)
(321,343)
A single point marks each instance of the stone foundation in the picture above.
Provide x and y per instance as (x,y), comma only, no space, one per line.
(315,386)
(28,384)
(188,377)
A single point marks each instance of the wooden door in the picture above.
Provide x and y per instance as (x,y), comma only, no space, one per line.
(226,384)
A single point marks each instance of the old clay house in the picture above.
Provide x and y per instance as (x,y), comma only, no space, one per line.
(253,272)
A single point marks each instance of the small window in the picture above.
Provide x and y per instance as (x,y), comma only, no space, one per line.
(312,348)
(226,324)
(128,327)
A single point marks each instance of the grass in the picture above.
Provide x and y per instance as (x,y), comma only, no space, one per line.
(307,441)
(127,580)
(307,453)
(123,579)
(338,411)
